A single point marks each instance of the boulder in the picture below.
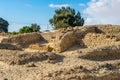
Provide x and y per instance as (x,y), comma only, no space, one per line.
(66,41)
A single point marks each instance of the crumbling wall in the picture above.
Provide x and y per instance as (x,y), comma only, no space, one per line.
(68,37)
(48,36)
(108,52)
(113,30)
(20,57)
(87,36)
(93,40)
(109,29)
(23,38)
(10,46)
(62,39)
(39,47)
(80,33)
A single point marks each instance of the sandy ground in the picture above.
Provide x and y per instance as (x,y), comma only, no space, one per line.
(40,70)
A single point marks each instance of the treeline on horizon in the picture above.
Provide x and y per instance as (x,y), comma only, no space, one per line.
(64,17)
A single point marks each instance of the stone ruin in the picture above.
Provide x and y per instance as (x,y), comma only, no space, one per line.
(62,39)
(100,43)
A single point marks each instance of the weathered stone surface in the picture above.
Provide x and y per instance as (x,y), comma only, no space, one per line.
(66,41)
(48,36)
(103,52)
(23,38)
(77,73)
(70,36)
(44,48)
(10,47)
(13,57)
(92,40)
(113,30)
(100,61)
(62,39)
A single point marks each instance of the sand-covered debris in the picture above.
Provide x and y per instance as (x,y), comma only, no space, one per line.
(20,57)
(10,46)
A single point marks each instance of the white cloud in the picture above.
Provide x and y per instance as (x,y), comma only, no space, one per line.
(92,21)
(103,12)
(82,5)
(28,5)
(93,0)
(58,5)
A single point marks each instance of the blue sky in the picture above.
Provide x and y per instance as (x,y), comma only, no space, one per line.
(24,12)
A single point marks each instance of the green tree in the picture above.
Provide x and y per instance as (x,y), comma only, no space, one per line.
(29,29)
(47,31)
(26,29)
(78,20)
(35,27)
(65,17)
(14,33)
(3,25)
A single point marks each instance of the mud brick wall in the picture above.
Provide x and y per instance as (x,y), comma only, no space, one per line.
(108,52)
(93,40)
(23,38)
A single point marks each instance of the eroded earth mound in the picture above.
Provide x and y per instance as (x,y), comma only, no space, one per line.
(73,53)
